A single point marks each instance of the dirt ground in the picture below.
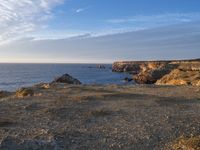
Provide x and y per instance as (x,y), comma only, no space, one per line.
(84,117)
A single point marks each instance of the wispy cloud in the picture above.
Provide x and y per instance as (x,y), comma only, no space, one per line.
(165,19)
(20,17)
(171,42)
(79,10)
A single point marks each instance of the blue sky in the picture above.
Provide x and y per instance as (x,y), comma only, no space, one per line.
(98,16)
(91,30)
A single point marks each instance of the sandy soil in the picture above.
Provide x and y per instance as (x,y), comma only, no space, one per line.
(88,117)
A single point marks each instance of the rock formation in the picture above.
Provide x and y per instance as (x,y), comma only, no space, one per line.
(66,78)
(181,77)
(43,85)
(182,72)
(128,79)
(101,67)
(23,92)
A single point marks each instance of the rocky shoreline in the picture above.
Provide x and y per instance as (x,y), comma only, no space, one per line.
(65,114)
(174,72)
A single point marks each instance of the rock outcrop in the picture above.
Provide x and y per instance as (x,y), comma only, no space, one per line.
(150,76)
(182,72)
(181,77)
(101,67)
(66,78)
(128,79)
(23,92)
(43,86)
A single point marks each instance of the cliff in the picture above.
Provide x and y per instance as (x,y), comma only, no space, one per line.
(173,72)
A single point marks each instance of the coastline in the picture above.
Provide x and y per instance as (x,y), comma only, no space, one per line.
(99,75)
(14,76)
(66,114)
(163,72)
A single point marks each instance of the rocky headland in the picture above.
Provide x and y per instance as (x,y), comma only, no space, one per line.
(174,72)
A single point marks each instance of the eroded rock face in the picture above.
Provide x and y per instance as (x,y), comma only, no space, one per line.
(150,76)
(162,72)
(131,67)
(151,72)
(66,78)
(137,66)
(181,77)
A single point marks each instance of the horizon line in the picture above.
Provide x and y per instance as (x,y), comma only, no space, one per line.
(55,63)
(109,62)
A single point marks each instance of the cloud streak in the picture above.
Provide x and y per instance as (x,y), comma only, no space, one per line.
(20,17)
(161,19)
(171,42)
(79,10)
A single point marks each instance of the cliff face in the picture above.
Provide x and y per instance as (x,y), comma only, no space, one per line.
(185,72)
(137,66)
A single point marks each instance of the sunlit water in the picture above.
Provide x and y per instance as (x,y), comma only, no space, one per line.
(13,76)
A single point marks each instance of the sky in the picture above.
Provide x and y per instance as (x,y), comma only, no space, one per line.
(98,31)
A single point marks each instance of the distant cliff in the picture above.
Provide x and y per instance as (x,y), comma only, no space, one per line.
(173,72)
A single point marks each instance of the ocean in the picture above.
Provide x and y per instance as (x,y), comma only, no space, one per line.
(14,76)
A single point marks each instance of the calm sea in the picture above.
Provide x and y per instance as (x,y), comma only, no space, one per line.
(13,76)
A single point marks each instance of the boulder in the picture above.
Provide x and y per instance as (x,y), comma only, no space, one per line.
(43,86)
(101,67)
(66,78)
(196,83)
(23,92)
(128,79)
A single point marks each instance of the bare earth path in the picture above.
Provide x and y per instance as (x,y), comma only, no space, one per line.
(99,117)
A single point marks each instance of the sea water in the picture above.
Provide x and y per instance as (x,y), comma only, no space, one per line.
(14,76)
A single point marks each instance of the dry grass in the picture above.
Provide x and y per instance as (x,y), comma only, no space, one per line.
(182,143)
(101,117)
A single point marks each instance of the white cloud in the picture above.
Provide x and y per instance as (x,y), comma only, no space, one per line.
(79,10)
(21,16)
(171,42)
